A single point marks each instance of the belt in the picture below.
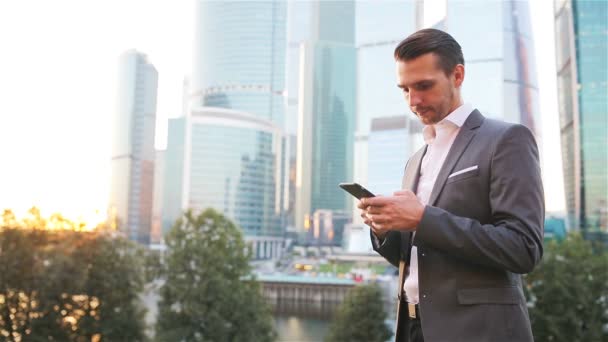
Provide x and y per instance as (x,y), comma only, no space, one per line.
(413,311)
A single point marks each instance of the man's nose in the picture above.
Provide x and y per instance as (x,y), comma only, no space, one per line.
(414,99)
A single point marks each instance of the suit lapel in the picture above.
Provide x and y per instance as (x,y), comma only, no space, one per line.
(412,171)
(410,182)
(464,137)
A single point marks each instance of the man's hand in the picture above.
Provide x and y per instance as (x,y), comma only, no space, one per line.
(380,233)
(402,211)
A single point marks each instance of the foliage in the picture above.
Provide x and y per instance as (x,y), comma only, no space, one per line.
(209,294)
(63,284)
(568,292)
(360,317)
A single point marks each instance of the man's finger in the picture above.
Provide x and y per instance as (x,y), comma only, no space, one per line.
(378,201)
(374,210)
(378,219)
(401,192)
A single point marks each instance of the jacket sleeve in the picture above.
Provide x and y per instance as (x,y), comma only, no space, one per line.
(389,247)
(512,241)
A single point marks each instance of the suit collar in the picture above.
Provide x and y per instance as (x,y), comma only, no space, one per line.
(464,137)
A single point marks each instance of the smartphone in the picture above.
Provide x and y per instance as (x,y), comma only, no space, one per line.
(356,190)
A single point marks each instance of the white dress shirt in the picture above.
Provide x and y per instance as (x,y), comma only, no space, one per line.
(439,138)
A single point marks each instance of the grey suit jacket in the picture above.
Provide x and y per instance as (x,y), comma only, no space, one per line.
(481,229)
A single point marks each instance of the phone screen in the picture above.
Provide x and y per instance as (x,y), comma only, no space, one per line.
(356,190)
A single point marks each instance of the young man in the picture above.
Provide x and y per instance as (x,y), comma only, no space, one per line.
(469,218)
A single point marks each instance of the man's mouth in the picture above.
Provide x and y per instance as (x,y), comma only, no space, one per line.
(422,112)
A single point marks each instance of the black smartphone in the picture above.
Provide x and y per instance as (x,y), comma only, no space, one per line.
(356,190)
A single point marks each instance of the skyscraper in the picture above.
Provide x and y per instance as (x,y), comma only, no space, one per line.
(227,151)
(326,111)
(377,92)
(239,57)
(132,161)
(496,40)
(392,140)
(581,40)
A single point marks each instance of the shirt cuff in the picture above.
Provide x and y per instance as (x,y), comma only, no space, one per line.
(378,241)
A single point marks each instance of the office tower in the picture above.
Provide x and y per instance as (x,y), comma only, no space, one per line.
(156,232)
(239,57)
(377,92)
(299,30)
(326,115)
(391,141)
(581,41)
(227,152)
(327,228)
(132,164)
(496,40)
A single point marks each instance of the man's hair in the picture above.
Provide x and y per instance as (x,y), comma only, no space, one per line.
(435,41)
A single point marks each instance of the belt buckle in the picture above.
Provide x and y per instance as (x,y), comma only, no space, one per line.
(411,309)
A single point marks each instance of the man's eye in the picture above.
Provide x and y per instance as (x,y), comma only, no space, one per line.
(405,90)
(423,86)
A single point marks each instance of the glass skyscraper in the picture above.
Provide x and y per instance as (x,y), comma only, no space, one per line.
(132,164)
(392,140)
(377,92)
(239,57)
(496,40)
(326,111)
(581,40)
(227,151)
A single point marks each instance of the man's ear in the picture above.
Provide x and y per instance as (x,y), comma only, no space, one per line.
(458,75)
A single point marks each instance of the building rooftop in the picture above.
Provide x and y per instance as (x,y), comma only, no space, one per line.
(284,278)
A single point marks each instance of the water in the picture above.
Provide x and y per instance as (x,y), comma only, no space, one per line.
(291,328)
(302,321)
(308,321)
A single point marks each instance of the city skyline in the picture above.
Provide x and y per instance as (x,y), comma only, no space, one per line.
(76,136)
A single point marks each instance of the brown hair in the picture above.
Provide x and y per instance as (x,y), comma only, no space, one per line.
(435,41)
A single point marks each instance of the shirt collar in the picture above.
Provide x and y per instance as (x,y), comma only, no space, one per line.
(454,120)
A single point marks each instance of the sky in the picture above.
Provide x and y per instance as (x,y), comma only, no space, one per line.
(58,78)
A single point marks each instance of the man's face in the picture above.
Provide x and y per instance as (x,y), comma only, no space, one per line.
(430,94)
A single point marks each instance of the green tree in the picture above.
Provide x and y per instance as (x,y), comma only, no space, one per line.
(66,285)
(360,317)
(209,293)
(568,292)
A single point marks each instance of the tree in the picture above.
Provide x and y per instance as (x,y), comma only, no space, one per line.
(209,293)
(67,285)
(568,292)
(360,317)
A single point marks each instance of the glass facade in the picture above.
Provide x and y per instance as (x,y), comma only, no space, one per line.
(326,116)
(333,118)
(229,161)
(506,63)
(227,151)
(173,182)
(239,56)
(392,140)
(581,56)
(377,92)
(132,163)
(232,169)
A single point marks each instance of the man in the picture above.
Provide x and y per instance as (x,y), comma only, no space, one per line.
(469,218)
